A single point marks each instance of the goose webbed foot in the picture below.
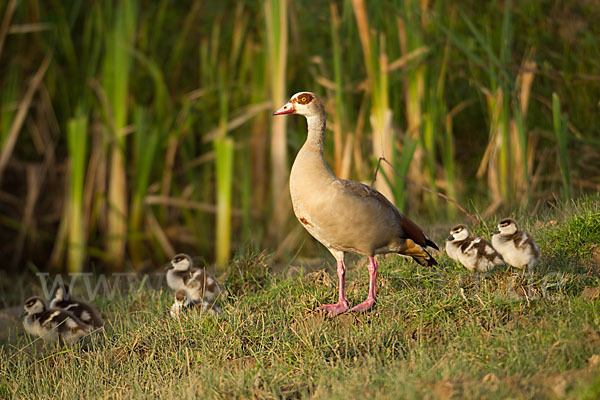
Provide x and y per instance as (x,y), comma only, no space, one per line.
(335,309)
(364,306)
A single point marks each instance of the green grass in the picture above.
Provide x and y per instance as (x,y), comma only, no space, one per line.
(434,333)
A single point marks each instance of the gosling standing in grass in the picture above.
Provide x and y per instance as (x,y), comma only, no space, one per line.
(195,282)
(516,247)
(85,312)
(475,253)
(183,304)
(52,324)
(179,304)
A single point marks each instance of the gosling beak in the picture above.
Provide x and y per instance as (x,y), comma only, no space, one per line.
(170,266)
(450,238)
(288,108)
(497,231)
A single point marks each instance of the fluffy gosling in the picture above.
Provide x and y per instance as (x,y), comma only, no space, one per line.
(179,304)
(516,247)
(52,324)
(194,281)
(475,253)
(85,312)
(183,304)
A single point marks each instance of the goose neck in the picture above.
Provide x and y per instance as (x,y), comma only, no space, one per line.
(316,130)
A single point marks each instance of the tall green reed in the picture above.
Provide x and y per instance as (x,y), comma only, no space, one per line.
(506,159)
(276,32)
(151,125)
(560,125)
(224,155)
(146,141)
(376,62)
(77,131)
(115,81)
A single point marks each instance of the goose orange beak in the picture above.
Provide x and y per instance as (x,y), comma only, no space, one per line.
(288,108)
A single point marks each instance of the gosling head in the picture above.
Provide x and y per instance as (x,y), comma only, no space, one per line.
(62,292)
(34,305)
(180,297)
(302,103)
(181,262)
(506,227)
(459,232)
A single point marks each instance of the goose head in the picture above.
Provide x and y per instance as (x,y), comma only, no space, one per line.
(302,103)
(181,262)
(34,305)
(507,226)
(459,232)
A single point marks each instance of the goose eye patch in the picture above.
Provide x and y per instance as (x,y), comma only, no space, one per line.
(304,98)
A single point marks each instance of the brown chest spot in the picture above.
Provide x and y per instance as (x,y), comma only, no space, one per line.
(304,221)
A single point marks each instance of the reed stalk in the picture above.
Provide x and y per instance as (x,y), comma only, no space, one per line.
(77,146)
(410,35)
(561,126)
(115,80)
(9,97)
(339,128)
(376,62)
(224,154)
(276,32)
(506,159)
(146,140)
(258,139)
(423,91)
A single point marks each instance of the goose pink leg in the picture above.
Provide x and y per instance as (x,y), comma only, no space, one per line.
(367,304)
(342,305)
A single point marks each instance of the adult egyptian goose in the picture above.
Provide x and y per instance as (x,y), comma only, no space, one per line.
(475,253)
(346,216)
(85,312)
(52,324)
(516,247)
(195,282)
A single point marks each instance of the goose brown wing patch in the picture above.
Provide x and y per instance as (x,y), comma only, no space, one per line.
(413,231)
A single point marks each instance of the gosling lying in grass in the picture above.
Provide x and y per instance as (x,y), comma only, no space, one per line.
(52,324)
(85,312)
